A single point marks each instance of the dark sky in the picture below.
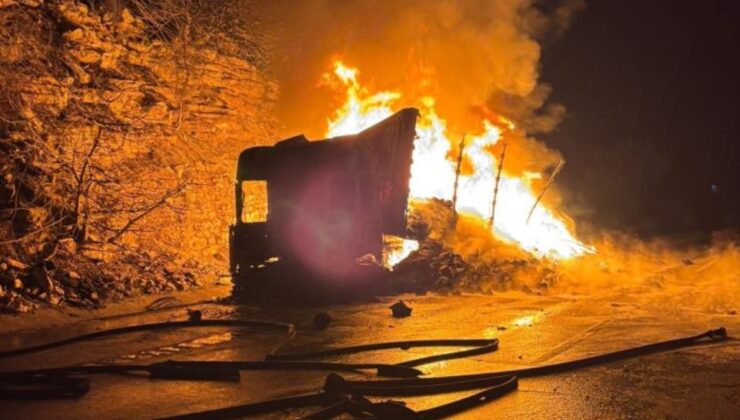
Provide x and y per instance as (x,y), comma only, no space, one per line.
(652,93)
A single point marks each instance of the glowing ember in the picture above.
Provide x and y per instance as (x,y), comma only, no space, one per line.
(433,174)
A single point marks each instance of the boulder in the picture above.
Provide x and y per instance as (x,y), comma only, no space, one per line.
(15,264)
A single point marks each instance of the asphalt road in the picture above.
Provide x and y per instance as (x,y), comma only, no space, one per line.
(692,383)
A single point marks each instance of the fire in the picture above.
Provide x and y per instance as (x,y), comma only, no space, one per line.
(433,174)
(360,110)
(397,249)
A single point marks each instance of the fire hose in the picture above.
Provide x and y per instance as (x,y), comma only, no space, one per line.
(63,382)
(426,386)
(359,406)
(340,396)
(18,384)
(192,323)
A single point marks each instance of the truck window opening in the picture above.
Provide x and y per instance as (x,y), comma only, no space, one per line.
(254,194)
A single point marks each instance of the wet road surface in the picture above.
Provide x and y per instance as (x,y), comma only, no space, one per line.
(693,383)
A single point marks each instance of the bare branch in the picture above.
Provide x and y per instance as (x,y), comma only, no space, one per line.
(146,212)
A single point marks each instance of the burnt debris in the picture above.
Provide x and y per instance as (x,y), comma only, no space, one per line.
(400,310)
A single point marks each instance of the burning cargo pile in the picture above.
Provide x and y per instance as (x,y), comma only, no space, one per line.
(445,261)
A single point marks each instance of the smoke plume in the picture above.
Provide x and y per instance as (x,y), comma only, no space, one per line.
(468,54)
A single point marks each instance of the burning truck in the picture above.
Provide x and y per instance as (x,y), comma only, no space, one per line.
(318,210)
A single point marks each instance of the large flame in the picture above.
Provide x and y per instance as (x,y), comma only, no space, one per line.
(433,174)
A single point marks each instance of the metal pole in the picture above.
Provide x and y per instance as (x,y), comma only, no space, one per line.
(544,189)
(498,180)
(457,174)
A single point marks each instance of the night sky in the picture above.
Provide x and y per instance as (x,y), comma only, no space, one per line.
(651,137)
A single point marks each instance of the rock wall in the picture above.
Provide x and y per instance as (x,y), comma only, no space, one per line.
(147,128)
(119,133)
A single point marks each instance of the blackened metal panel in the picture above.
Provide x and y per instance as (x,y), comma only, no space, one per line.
(387,148)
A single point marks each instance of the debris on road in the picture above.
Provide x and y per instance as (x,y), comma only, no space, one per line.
(400,310)
(321,321)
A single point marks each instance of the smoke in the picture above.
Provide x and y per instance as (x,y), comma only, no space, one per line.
(662,272)
(468,54)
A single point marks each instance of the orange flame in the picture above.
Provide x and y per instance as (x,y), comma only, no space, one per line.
(433,174)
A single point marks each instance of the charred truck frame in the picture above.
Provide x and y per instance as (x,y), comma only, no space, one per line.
(308,213)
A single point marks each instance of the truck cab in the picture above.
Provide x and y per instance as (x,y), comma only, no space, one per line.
(320,208)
